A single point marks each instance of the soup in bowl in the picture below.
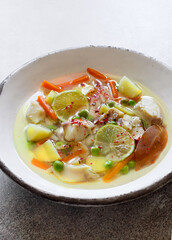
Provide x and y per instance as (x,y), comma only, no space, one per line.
(90,134)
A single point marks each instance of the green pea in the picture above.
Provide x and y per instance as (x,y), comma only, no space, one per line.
(59,144)
(131,164)
(125,169)
(113,122)
(124,101)
(131,102)
(109,164)
(58,166)
(111,104)
(83,113)
(76,117)
(52,127)
(95,151)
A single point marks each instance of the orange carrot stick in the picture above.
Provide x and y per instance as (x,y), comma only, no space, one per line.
(113,89)
(82,79)
(73,155)
(116,169)
(50,86)
(97,74)
(50,112)
(40,164)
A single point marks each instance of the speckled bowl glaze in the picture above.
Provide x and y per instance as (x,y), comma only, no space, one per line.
(22,83)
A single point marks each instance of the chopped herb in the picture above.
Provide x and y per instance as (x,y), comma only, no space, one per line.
(76,117)
(113,122)
(52,127)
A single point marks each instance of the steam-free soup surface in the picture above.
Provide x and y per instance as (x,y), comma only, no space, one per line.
(91,130)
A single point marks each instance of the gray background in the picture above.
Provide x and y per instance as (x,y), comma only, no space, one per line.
(34,27)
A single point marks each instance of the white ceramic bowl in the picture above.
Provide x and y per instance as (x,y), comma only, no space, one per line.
(21,84)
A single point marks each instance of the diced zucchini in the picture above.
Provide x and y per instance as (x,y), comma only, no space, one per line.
(37,132)
(50,97)
(97,163)
(128,88)
(46,152)
(103,109)
(125,109)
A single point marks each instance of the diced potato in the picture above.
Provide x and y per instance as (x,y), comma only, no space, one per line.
(47,152)
(50,97)
(125,109)
(96,163)
(103,109)
(128,88)
(37,132)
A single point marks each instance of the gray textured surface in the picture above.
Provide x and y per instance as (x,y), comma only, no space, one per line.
(32,28)
(27,216)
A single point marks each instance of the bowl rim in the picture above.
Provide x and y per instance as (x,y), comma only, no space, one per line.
(86,202)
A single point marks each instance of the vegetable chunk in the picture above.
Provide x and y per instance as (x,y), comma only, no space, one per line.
(128,88)
(37,132)
(46,152)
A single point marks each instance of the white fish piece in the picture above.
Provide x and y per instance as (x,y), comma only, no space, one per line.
(132,125)
(77,130)
(35,113)
(72,173)
(149,110)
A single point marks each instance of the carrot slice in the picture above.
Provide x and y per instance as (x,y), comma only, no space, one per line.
(113,89)
(40,164)
(82,79)
(108,177)
(50,86)
(97,74)
(73,155)
(50,112)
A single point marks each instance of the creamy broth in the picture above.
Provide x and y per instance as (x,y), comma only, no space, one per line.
(20,142)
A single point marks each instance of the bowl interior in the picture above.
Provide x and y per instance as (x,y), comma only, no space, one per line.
(25,81)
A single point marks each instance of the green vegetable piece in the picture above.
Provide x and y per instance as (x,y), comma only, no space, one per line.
(50,97)
(52,127)
(30,145)
(113,122)
(95,151)
(131,102)
(59,144)
(125,169)
(103,109)
(132,164)
(58,166)
(90,118)
(145,124)
(76,117)
(111,104)
(124,101)
(109,164)
(83,113)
